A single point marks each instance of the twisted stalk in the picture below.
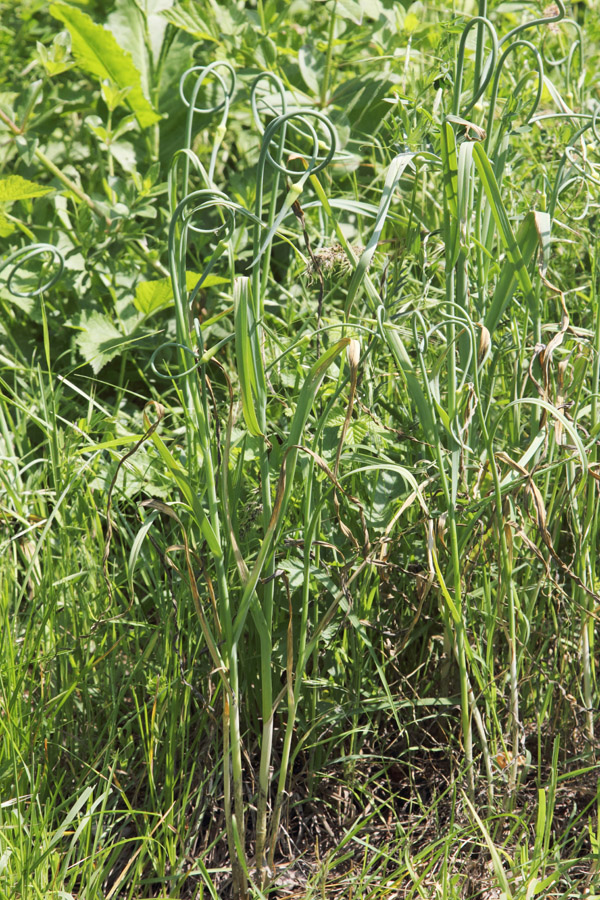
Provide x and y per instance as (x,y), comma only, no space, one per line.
(203,73)
(193,205)
(199,441)
(274,134)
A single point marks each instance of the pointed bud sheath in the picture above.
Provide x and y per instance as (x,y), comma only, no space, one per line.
(484,344)
(353,353)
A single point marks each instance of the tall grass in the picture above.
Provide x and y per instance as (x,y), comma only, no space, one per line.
(340,513)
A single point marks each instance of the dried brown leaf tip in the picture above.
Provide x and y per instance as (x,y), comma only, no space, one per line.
(506,758)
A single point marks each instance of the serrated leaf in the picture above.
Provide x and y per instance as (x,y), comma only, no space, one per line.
(132,23)
(150,296)
(357,431)
(228,18)
(186,16)
(126,23)
(101,341)
(98,53)
(13,188)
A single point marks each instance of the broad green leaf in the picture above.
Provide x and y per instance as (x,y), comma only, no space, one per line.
(126,23)
(187,17)
(112,95)
(98,53)
(364,100)
(229,20)
(124,153)
(411,22)
(312,67)
(101,341)
(356,10)
(150,296)
(13,188)
(387,468)
(134,25)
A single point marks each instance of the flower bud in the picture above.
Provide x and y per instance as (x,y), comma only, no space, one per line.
(353,353)
(485,342)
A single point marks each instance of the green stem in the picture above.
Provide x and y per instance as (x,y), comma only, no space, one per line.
(482,13)
(586,537)
(506,582)
(199,437)
(327,73)
(261,15)
(293,689)
(260,275)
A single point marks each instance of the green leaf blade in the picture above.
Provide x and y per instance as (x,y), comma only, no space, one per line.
(13,188)
(98,53)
